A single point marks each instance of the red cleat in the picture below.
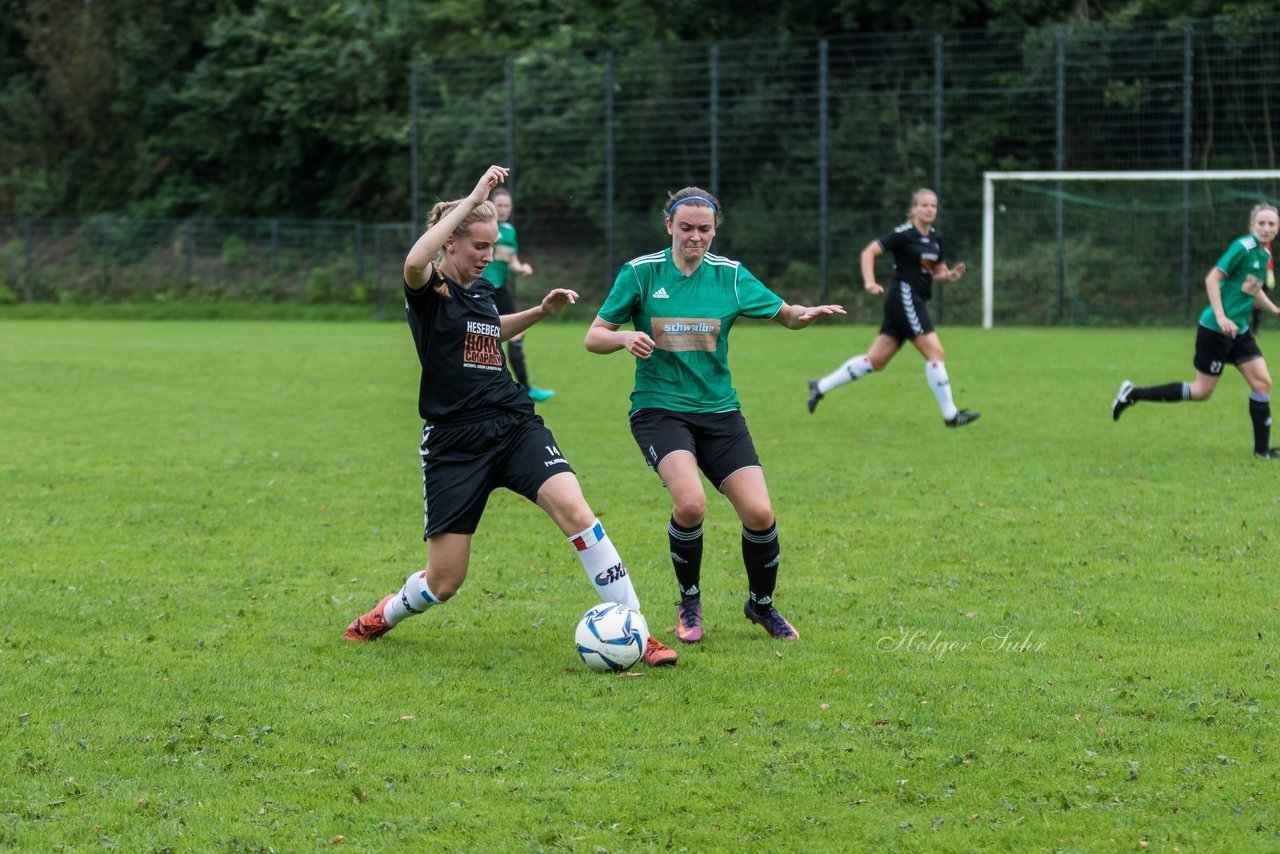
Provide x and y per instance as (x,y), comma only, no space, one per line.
(368,626)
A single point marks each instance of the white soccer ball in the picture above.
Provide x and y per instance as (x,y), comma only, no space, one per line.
(611,637)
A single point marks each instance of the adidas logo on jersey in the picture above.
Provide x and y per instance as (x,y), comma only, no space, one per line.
(661,293)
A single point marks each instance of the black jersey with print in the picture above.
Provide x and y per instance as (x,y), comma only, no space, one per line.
(459,341)
(914,256)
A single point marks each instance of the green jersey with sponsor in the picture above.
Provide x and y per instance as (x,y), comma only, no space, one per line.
(689,318)
(1243,259)
(506,246)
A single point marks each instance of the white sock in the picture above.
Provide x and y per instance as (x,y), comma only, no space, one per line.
(414,598)
(604,567)
(936,374)
(848,372)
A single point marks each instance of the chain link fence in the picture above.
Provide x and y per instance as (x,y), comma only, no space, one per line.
(813,145)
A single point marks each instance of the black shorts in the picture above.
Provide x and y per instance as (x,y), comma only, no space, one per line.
(719,441)
(461,465)
(906,315)
(1215,350)
(505,300)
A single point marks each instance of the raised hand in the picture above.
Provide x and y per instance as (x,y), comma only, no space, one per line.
(492,177)
(557,299)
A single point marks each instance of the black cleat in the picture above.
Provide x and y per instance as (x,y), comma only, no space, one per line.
(962,418)
(1122,401)
(1269,454)
(814,395)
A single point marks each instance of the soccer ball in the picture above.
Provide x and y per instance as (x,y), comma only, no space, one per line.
(611,637)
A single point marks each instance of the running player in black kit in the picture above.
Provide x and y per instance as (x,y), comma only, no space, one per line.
(917,262)
(481,432)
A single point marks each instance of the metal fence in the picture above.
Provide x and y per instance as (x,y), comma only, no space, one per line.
(813,145)
(143,260)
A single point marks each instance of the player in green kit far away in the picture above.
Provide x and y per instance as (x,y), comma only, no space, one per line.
(1235,285)
(682,303)
(506,263)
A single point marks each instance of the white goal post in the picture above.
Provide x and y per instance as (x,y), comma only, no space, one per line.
(989,180)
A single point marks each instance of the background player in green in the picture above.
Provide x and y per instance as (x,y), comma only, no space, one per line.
(685,414)
(1235,285)
(506,261)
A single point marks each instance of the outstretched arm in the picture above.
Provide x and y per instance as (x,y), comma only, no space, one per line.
(556,299)
(417,264)
(1263,301)
(868,260)
(606,338)
(1213,288)
(800,316)
(519,267)
(943,273)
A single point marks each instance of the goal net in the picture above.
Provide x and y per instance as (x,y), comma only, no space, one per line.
(1109,248)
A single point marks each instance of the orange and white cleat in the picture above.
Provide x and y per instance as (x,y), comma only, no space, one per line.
(368,626)
(658,654)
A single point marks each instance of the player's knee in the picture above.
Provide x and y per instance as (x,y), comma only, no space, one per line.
(690,511)
(1262,384)
(423,590)
(757,517)
(1200,393)
(577,518)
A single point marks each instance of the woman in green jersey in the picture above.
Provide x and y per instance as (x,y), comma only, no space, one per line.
(1235,285)
(685,415)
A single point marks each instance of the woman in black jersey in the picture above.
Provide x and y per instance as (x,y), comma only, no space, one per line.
(917,262)
(481,432)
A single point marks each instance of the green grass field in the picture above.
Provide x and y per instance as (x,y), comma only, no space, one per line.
(1045,631)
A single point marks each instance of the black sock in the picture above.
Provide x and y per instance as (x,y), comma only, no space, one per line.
(1170,393)
(761,554)
(1260,414)
(515,358)
(686,557)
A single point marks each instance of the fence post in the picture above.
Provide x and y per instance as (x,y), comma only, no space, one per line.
(187,249)
(1060,160)
(713,116)
(609,176)
(413,140)
(937,131)
(106,251)
(275,246)
(1188,81)
(378,313)
(510,87)
(359,251)
(26,260)
(824,199)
